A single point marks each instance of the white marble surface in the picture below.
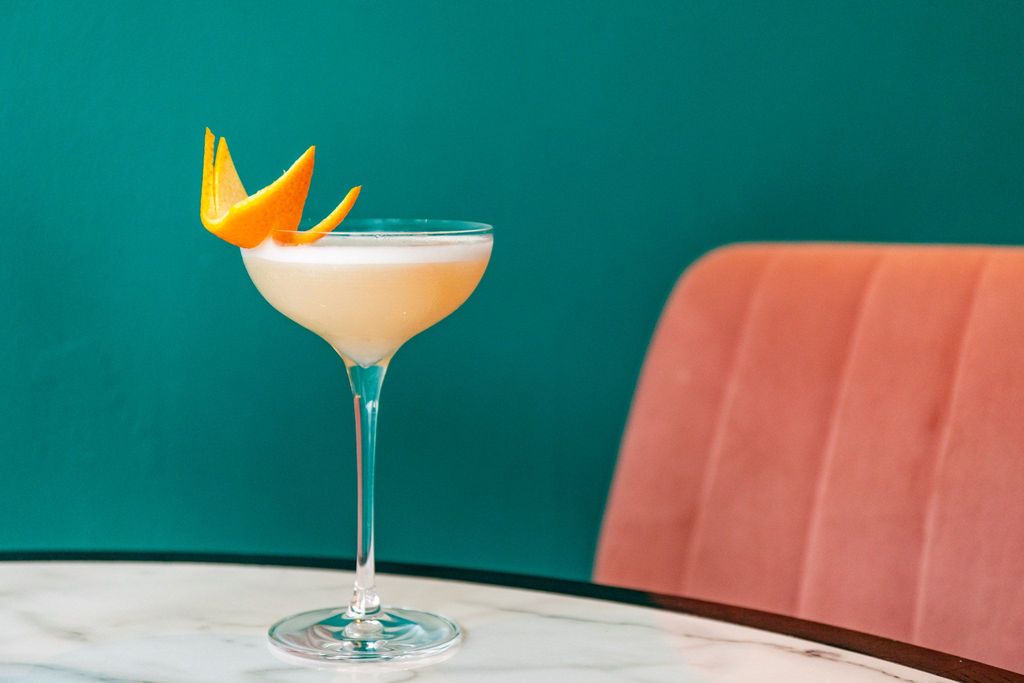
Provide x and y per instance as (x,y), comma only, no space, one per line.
(93,621)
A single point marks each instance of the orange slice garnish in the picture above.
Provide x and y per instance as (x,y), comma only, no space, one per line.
(246,220)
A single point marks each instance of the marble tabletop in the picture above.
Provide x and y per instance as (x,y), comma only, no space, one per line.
(64,622)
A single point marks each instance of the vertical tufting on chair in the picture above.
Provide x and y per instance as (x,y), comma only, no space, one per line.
(835,432)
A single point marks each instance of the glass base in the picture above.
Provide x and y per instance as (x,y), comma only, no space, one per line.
(329,635)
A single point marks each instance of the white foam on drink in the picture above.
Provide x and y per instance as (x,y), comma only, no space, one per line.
(371,250)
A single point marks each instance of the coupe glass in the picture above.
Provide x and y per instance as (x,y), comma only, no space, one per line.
(366,291)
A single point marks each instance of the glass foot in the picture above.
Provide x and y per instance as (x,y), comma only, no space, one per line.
(326,635)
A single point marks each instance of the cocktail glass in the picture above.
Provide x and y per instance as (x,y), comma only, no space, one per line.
(366,291)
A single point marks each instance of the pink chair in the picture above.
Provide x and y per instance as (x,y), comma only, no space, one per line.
(835,432)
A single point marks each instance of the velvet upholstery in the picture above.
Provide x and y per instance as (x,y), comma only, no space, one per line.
(835,432)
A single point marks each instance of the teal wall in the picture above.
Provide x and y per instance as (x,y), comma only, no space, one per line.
(150,399)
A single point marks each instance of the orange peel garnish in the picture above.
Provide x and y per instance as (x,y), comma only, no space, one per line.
(227,186)
(246,220)
(333,219)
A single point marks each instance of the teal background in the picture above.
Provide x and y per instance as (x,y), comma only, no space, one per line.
(151,400)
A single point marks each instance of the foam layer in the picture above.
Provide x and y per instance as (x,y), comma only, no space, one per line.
(377,250)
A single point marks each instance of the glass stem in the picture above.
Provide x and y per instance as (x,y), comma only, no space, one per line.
(366,383)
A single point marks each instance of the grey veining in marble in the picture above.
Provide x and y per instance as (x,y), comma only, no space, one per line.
(164,623)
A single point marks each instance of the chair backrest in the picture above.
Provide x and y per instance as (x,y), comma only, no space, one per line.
(835,432)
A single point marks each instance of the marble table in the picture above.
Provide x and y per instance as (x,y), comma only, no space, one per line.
(63,622)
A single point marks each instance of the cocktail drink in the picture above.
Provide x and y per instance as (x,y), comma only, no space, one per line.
(366,291)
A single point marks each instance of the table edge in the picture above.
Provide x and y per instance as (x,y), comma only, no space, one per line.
(913,656)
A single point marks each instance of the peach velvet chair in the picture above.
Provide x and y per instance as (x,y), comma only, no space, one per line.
(835,432)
